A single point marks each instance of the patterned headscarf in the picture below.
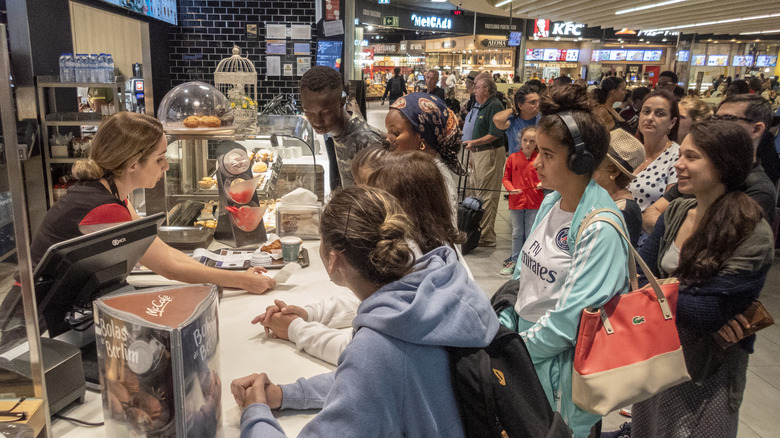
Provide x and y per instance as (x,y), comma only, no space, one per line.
(436,124)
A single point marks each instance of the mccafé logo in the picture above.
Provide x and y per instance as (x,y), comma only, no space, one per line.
(432,22)
(158,306)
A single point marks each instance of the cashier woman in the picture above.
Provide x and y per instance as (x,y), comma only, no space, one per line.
(128,153)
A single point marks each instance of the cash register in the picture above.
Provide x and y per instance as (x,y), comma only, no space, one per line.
(68,278)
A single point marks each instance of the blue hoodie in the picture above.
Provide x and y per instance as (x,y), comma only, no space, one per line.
(393,379)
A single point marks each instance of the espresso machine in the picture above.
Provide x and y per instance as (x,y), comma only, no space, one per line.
(134,87)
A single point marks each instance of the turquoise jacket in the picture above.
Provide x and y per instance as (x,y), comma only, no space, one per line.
(599,270)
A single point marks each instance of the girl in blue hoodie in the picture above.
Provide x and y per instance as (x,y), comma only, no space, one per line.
(393,378)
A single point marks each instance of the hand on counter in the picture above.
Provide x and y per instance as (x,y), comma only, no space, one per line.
(256,388)
(277,318)
(256,282)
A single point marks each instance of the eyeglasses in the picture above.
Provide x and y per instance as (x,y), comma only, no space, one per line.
(729,118)
(8,416)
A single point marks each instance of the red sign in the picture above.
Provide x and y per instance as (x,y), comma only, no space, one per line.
(542,28)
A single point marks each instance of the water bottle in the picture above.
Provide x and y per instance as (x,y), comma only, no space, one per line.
(63,68)
(102,70)
(79,68)
(70,67)
(93,68)
(110,67)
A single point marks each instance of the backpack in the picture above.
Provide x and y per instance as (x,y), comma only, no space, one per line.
(497,390)
(470,213)
(397,86)
(453,104)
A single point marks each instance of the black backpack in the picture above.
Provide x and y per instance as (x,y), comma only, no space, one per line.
(470,213)
(497,390)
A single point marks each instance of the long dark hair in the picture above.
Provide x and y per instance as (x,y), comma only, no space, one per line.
(606,86)
(413,178)
(734,215)
(674,112)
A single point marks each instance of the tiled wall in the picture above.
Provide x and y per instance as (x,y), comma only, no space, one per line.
(208,29)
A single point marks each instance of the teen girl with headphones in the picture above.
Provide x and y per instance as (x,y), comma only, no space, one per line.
(560,277)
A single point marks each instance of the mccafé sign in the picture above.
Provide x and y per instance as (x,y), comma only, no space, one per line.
(546,29)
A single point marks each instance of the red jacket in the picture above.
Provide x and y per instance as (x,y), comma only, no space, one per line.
(519,173)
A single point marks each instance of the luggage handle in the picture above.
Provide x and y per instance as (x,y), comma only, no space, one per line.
(633,259)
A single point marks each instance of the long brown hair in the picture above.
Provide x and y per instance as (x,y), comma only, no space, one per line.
(413,178)
(734,215)
(122,139)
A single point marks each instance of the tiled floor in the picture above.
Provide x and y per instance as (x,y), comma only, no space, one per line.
(759,413)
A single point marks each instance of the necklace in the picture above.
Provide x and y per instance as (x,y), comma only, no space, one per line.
(652,158)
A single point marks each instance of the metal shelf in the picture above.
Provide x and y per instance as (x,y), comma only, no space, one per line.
(54,82)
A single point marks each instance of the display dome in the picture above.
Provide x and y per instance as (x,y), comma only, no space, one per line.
(195,107)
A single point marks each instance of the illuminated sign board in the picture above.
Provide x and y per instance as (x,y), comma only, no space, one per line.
(431,22)
(546,29)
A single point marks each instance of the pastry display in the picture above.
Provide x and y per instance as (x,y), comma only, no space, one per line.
(207,182)
(264,155)
(200,121)
(191,121)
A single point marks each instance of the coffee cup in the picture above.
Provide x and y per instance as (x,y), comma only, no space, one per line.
(291,246)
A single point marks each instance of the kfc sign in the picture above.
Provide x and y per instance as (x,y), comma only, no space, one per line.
(544,29)
(567,28)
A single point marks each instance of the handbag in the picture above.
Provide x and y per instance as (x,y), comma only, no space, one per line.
(628,350)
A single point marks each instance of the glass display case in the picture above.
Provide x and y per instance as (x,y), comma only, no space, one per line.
(280,151)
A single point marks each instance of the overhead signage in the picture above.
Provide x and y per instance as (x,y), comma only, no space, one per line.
(383,2)
(431,22)
(456,12)
(361,43)
(493,43)
(448,44)
(390,21)
(547,29)
(652,33)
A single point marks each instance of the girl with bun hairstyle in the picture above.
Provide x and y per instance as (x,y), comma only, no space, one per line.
(720,249)
(393,379)
(558,275)
(612,90)
(128,153)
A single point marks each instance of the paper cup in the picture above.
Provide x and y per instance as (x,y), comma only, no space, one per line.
(291,246)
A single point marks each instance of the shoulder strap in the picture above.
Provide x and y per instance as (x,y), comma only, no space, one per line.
(633,257)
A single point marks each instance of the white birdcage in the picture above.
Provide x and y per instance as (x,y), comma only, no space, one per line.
(236,78)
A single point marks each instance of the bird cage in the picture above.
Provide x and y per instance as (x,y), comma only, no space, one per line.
(236,78)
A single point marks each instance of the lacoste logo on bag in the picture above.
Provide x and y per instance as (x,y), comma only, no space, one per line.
(500,375)
(638,320)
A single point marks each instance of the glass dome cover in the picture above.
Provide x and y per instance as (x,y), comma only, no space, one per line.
(195,107)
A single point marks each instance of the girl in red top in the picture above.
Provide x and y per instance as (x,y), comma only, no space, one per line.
(525,195)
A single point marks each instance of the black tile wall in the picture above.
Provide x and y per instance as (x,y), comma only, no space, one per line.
(208,29)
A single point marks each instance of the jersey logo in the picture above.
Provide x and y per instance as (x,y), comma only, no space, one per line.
(562,239)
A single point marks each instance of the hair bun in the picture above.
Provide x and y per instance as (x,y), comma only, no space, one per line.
(568,97)
(393,257)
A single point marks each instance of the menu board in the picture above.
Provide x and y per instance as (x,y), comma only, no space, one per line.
(717,60)
(766,61)
(594,56)
(534,54)
(572,55)
(742,61)
(617,55)
(653,55)
(635,55)
(698,60)
(604,55)
(164,10)
(683,55)
(552,54)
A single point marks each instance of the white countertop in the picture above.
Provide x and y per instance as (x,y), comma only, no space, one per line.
(244,349)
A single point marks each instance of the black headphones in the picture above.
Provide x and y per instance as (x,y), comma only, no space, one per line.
(581,161)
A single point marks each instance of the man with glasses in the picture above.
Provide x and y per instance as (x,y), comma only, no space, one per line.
(754,113)
(486,144)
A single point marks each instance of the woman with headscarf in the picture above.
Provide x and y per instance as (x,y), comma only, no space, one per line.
(420,121)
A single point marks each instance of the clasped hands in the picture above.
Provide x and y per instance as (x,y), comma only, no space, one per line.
(277,318)
(256,388)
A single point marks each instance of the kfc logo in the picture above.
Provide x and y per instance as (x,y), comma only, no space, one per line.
(542,28)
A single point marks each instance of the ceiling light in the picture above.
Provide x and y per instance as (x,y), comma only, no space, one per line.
(503,2)
(642,8)
(557,38)
(438,1)
(761,32)
(369,28)
(641,39)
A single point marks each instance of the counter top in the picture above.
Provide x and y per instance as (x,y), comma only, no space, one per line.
(244,349)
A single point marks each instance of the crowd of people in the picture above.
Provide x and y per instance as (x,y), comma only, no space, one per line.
(689,186)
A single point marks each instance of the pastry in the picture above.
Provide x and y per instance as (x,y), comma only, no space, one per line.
(210,122)
(192,121)
(259,167)
(147,403)
(276,244)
